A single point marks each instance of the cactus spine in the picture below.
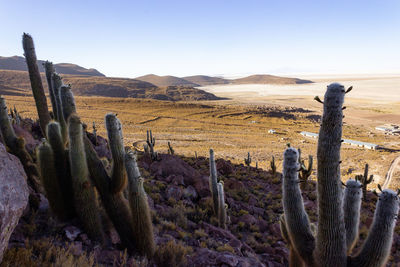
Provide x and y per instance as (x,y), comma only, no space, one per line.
(352,206)
(213,182)
(141,219)
(335,234)
(222,217)
(36,82)
(84,195)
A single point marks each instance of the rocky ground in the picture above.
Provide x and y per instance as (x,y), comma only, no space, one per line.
(185,228)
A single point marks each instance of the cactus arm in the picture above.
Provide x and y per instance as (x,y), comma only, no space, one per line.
(296,218)
(48,175)
(67,101)
(84,195)
(49,69)
(116,143)
(351,207)
(213,182)
(376,248)
(36,82)
(331,234)
(115,205)
(221,206)
(142,225)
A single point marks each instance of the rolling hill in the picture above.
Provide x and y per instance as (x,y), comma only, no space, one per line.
(17,83)
(163,81)
(18,63)
(204,80)
(269,79)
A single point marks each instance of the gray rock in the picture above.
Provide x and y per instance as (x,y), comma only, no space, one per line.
(13,195)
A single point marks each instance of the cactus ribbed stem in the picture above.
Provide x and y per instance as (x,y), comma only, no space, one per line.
(36,82)
(116,143)
(221,206)
(142,225)
(213,182)
(48,175)
(331,234)
(376,249)
(49,69)
(67,101)
(296,218)
(351,207)
(56,85)
(84,195)
(61,163)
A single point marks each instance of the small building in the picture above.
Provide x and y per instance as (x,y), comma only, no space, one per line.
(271,131)
(308,134)
(347,141)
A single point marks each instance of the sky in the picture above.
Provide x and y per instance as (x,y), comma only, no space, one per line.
(209,37)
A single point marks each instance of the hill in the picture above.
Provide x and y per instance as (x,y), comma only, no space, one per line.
(164,81)
(268,79)
(206,80)
(18,63)
(17,83)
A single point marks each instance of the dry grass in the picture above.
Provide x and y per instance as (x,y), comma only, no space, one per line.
(231,130)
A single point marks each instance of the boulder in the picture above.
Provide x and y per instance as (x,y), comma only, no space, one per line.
(14,195)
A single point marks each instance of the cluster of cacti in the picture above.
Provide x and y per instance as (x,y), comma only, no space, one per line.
(247,160)
(171,151)
(149,146)
(217,193)
(70,168)
(365,181)
(305,172)
(338,212)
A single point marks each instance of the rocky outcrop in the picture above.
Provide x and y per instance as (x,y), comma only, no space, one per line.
(13,195)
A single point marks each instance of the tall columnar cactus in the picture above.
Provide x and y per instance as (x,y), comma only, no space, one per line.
(16,146)
(67,101)
(116,143)
(273,165)
(36,82)
(222,216)
(213,182)
(141,219)
(247,160)
(49,69)
(84,194)
(335,234)
(305,172)
(352,206)
(56,84)
(365,181)
(48,175)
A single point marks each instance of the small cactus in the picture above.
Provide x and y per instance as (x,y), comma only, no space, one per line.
(151,142)
(171,151)
(247,160)
(305,172)
(365,181)
(222,206)
(213,182)
(273,165)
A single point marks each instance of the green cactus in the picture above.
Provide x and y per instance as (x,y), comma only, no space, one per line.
(335,234)
(16,146)
(222,206)
(141,219)
(247,160)
(84,195)
(151,142)
(56,85)
(365,181)
(305,173)
(48,175)
(171,151)
(36,82)
(67,101)
(49,70)
(273,166)
(213,182)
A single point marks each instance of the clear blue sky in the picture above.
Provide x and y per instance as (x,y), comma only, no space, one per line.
(132,38)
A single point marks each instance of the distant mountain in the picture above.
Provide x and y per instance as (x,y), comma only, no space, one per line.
(268,79)
(164,81)
(204,80)
(18,63)
(17,83)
